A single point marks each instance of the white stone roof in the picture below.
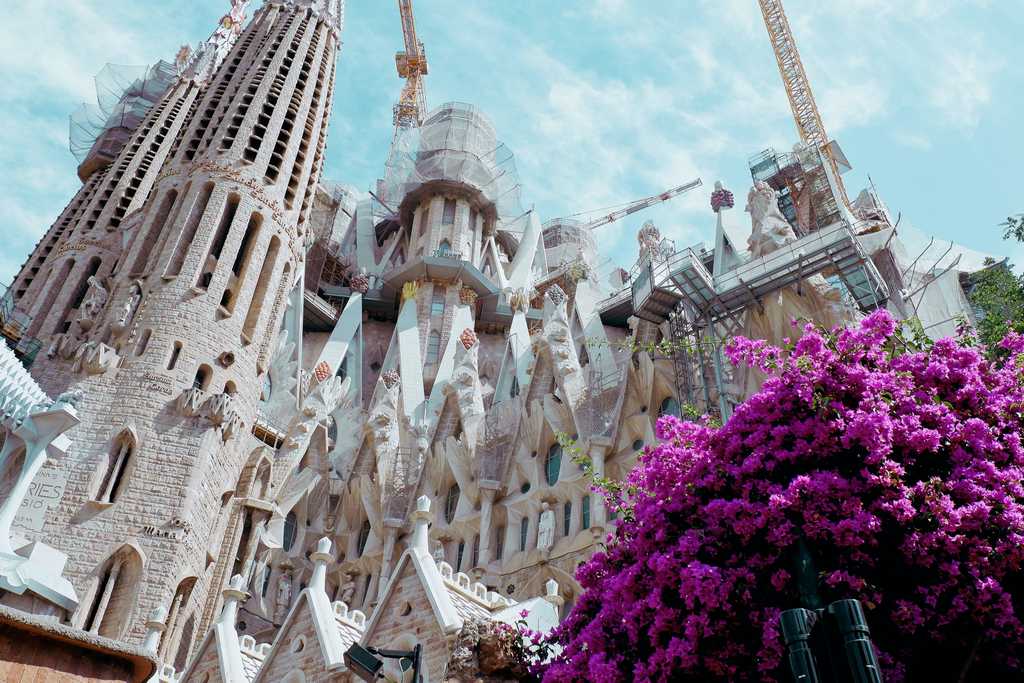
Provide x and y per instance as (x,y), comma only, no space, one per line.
(253,655)
(350,624)
(19,393)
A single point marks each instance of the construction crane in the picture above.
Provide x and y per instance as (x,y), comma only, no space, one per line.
(798,88)
(412,66)
(638,205)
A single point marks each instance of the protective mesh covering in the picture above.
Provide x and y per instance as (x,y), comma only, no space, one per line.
(456,143)
(403,474)
(124,95)
(500,429)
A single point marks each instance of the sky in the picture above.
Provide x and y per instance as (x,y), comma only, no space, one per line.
(602,101)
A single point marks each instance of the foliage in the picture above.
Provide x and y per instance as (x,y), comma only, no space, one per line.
(896,466)
(1013,228)
(998,297)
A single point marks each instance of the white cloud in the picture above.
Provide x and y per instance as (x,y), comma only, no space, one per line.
(962,88)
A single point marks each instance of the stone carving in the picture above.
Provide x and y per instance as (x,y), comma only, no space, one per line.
(579,270)
(131,304)
(519,301)
(546,528)
(465,385)
(347,588)
(468,338)
(95,358)
(556,295)
(390,378)
(220,409)
(322,371)
(284,595)
(409,290)
(770,229)
(467,297)
(383,422)
(190,402)
(721,198)
(649,238)
(360,282)
(95,299)
(69,398)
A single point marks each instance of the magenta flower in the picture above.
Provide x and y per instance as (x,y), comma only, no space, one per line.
(901,471)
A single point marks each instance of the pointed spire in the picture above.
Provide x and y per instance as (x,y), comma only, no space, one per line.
(320,559)
(421,518)
(233,595)
(155,627)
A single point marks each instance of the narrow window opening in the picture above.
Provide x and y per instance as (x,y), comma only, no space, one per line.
(433,348)
(140,347)
(262,290)
(524,530)
(188,232)
(219,238)
(175,354)
(155,228)
(448,218)
(499,543)
(202,378)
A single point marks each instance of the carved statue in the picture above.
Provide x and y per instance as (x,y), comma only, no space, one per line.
(95,299)
(770,229)
(348,588)
(546,528)
(130,305)
(284,595)
(813,298)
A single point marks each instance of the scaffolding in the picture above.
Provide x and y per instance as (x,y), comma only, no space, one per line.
(806,198)
(597,413)
(124,95)
(399,486)
(501,424)
(14,326)
(456,145)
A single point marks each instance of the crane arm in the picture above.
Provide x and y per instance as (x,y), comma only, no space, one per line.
(798,86)
(412,45)
(642,204)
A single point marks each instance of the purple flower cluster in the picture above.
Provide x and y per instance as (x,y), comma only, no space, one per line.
(898,469)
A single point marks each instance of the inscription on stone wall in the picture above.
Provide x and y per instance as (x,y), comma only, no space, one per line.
(44,493)
(158,384)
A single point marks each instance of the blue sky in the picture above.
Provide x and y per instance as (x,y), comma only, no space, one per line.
(603,101)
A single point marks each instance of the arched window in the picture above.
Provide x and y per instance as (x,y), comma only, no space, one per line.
(291,524)
(449,212)
(364,535)
(451,503)
(268,387)
(566,517)
(585,512)
(202,378)
(180,628)
(172,362)
(553,464)
(433,348)
(112,595)
(459,555)
(670,406)
(118,458)
(524,530)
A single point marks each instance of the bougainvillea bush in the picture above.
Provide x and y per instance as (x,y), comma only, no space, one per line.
(887,472)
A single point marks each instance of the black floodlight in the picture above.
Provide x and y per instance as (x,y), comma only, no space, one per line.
(363,663)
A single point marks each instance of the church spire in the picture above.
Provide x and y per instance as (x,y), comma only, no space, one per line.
(201,64)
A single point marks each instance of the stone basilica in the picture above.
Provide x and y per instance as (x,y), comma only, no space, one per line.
(289,418)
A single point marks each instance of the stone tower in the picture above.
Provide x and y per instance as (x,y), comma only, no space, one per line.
(159,297)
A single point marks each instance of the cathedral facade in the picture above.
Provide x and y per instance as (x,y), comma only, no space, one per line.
(295,402)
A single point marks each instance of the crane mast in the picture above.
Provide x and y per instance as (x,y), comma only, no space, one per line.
(412,66)
(798,87)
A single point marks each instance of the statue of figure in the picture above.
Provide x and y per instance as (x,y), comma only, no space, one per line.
(95,298)
(770,229)
(347,589)
(546,528)
(284,595)
(811,299)
(130,304)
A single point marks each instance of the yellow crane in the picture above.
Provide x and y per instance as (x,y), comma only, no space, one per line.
(412,66)
(798,88)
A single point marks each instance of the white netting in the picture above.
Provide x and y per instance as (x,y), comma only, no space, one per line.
(124,95)
(456,144)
